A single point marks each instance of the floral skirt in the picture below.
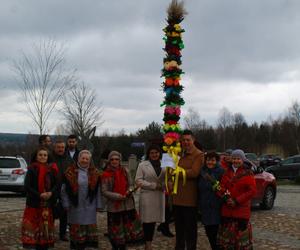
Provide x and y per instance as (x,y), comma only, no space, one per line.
(38,228)
(235,234)
(125,227)
(82,236)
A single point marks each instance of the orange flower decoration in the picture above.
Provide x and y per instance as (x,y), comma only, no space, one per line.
(169,140)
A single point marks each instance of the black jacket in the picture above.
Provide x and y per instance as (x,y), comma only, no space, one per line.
(75,156)
(209,202)
(31,187)
(62,162)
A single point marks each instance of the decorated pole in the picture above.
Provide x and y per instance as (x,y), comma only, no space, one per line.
(172,88)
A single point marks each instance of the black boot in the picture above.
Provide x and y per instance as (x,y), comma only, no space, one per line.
(165,230)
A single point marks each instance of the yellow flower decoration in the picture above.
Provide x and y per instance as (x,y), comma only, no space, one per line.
(173,127)
(177,27)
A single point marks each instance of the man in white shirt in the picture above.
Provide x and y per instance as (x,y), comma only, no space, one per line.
(72,150)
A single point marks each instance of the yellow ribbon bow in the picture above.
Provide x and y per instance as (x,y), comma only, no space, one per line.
(173,152)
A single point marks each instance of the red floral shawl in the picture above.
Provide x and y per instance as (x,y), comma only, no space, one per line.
(119,178)
(43,170)
(71,176)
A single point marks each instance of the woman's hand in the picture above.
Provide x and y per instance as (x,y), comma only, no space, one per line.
(49,194)
(138,185)
(46,195)
(159,186)
(231,202)
(43,196)
(122,197)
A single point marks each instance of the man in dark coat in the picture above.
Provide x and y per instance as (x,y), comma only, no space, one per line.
(63,161)
(72,149)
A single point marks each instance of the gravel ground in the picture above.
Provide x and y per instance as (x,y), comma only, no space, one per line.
(277,229)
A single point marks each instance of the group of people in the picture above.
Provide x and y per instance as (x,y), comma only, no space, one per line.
(225,190)
(64,183)
(220,191)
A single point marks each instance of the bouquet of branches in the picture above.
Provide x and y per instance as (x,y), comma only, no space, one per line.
(216,186)
(132,190)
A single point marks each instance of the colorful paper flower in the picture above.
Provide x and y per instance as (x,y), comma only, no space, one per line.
(172,72)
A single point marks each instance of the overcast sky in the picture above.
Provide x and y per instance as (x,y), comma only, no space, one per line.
(243,55)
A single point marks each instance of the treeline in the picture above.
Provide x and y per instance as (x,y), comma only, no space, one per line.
(280,136)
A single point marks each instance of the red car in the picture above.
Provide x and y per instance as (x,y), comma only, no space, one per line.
(266,188)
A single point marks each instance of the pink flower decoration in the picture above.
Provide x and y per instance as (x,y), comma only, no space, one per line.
(172,110)
(177,111)
(169,110)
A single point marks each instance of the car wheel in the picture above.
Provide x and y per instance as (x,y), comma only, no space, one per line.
(268,199)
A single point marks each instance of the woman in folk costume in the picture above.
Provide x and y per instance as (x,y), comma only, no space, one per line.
(150,177)
(235,231)
(81,198)
(41,186)
(124,225)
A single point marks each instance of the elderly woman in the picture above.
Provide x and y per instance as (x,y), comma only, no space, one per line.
(124,225)
(209,201)
(81,198)
(41,185)
(239,187)
(150,177)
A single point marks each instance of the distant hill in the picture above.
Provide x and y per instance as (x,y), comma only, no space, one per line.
(20,139)
(11,138)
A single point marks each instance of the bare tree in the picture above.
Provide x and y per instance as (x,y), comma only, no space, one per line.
(61,130)
(81,110)
(238,119)
(43,79)
(193,122)
(224,122)
(294,112)
(225,118)
(294,116)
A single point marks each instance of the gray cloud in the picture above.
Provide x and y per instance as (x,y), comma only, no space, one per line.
(249,40)
(116,47)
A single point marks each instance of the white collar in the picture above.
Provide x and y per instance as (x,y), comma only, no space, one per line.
(234,169)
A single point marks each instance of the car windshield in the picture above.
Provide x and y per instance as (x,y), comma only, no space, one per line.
(9,163)
(264,157)
(288,161)
(251,156)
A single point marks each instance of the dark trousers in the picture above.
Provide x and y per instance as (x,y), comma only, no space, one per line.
(118,247)
(212,232)
(148,231)
(185,227)
(63,222)
(41,248)
(168,218)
